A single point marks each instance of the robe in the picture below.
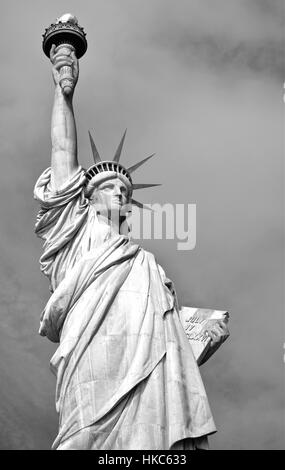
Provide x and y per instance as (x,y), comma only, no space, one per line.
(126,375)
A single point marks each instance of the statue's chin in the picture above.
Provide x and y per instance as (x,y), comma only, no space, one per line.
(114,213)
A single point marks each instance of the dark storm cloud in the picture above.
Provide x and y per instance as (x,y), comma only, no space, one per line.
(226,36)
(226,54)
(274,8)
(26,392)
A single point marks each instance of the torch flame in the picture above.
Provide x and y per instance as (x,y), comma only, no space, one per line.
(67,18)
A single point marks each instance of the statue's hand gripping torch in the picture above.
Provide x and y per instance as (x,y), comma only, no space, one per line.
(66,74)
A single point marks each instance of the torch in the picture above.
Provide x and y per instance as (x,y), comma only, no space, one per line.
(67,36)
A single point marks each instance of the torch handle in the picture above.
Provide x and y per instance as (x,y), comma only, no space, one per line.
(66,79)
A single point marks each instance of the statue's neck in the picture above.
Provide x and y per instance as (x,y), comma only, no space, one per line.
(114,222)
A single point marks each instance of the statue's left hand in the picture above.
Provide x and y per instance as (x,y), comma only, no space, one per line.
(218,333)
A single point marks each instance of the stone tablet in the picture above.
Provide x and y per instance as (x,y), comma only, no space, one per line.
(196,322)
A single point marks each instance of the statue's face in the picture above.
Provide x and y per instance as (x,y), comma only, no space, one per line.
(110,196)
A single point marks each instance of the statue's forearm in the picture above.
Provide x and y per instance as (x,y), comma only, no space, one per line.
(64,139)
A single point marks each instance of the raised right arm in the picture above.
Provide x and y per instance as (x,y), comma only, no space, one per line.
(64,161)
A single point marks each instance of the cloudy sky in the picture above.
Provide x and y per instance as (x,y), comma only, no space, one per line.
(198,82)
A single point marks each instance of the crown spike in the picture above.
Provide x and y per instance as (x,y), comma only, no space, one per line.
(119,149)
(95,152)
(142,185)
(141,205)
(137,165)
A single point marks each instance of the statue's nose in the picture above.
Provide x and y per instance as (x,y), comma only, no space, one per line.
(117,191)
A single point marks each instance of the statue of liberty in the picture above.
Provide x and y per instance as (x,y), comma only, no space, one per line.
(126,374)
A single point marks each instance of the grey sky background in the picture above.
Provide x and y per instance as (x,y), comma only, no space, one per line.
(200,83)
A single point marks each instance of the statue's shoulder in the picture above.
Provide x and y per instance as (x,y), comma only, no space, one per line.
(151,259)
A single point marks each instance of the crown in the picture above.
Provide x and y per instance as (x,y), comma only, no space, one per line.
(103,170)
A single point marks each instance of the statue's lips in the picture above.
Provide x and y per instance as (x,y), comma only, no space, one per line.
(117,201)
